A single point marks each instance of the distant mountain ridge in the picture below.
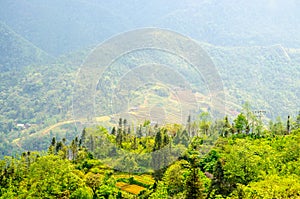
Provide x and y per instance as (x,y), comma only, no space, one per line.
(15,51)
(59,27)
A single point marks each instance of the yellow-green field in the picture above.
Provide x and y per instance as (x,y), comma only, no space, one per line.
(130,188)
(144,178)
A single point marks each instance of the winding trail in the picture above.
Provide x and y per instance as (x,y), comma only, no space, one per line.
(45,131)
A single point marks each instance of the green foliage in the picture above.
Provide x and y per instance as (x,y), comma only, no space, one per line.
(241,123)
(94,181)
(174,178)
(208,162)
(204,122)
(272,187)
(238,166)
(160,193)
(128,164)
(193,185)
(50,176)
(277,127)
(82,193)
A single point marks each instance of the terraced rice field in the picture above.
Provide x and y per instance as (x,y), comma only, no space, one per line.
(130,188)
(145,178)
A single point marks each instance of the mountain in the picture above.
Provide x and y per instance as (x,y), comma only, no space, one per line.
(58,27)
(16,51)
(265,76)
(238,22)
(254,46)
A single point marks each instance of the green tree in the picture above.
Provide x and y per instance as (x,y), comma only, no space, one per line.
(193,185)
(204,122)
(119,137)
(83,137)
(139,133)
(74,149)
(297,125)
(53,142)
(127,164)
(94,181)
(51,177)
(134,145)
(288,125)
(51,149)
(158,143)
(82,193)
(157,160)
(58,147)
(160,191)
(242,162)
(120,123)
(226,127)
(277,127)
(241,123)
(174,178)
(182,137)
(113,131)
(219,186)
(271,187)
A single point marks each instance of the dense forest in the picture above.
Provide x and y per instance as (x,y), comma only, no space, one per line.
(202,159)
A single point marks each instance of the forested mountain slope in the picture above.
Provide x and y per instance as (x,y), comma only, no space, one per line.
(253,45)
(17,51)
(265,76)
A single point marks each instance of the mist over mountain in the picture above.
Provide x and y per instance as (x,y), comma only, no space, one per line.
(17,51)
(61,26)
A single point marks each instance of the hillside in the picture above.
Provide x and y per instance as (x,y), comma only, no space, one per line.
(265,76)
(41,93)
(16,51)
(58,27)
(35,97)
